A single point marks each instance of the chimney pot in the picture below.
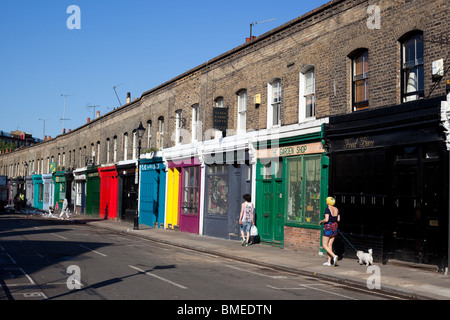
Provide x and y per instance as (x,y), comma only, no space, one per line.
(128,97)
(88,120)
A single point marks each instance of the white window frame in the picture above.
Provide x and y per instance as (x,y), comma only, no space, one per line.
(135,145)
(195,122)
(242,111)
(115,150)
(274,101)
(160,133)
(305,92)
(125,146)
(178,125)
(149,134)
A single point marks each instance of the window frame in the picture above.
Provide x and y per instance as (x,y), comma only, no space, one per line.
(242,111)
(359,78)
(274,89)
(407,66)
(303,114)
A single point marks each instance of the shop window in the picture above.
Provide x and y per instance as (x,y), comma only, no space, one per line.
(303,187)
(360,80)
(412,67)
(217,185)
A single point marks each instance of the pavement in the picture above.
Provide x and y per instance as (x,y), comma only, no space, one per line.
(413,281)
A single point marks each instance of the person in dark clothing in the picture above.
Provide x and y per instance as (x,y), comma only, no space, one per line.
(330,230)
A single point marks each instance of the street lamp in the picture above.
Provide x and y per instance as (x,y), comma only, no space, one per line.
(140,134)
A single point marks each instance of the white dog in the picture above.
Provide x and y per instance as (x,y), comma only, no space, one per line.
(365,257)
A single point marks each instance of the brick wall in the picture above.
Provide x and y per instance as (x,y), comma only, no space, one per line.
(300,239)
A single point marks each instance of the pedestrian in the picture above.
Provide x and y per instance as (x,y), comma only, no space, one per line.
(246,219)
(65,209)
(330,230)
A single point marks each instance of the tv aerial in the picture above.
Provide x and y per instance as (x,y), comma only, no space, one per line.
(255,23)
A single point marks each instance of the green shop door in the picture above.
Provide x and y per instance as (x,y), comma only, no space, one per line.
(92,192)
(270,203)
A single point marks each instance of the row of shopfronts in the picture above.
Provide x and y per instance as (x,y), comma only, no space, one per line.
(388,169)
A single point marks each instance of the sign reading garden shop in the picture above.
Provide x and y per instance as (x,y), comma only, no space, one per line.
(291,150)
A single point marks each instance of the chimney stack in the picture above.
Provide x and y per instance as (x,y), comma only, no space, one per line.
(98,114)
(128,97)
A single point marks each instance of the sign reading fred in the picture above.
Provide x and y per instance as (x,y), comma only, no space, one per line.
(292,150)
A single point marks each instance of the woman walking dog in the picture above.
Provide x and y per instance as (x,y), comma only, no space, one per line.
(330,230)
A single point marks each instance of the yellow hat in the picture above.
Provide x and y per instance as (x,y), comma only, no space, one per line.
(331,201)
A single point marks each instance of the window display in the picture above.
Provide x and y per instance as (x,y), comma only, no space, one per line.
(304,189)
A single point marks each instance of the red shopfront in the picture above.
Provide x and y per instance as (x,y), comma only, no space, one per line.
(189,194)
(108,192)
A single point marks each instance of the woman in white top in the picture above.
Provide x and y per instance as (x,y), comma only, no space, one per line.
(246,218)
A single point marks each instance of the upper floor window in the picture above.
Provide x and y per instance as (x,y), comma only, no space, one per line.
(219,102)
(125,146)
(178,126)
(195,122)
(115,149)
(149,134)
(307,93)
(160,133)
(412,67)
(360,81)
(242,111)
(135,146)
(274,103)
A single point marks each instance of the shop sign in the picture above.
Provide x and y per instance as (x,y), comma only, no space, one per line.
(220,118)
(292,150)
(361,142)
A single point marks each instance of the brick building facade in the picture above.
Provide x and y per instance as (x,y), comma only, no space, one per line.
(285,83)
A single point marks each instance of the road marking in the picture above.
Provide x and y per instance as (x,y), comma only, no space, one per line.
(94,251)
(158,277)
(327,291)
(35,295)
(14,261)
(256,273)
(57,235)
(275,288)
(12,276)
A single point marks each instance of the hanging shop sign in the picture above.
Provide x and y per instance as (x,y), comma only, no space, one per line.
(220,118)
(292,150)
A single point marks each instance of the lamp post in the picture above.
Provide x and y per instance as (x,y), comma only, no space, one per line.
(140,134)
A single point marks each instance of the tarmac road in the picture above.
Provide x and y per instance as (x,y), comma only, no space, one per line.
(54,260)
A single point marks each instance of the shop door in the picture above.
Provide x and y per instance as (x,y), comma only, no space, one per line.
(150,182)
(173,182)
(190,199)
(270,224)
(417,224)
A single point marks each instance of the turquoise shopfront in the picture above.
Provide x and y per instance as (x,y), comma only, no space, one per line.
(152,192)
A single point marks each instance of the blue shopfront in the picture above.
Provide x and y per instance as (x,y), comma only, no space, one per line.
(152,192)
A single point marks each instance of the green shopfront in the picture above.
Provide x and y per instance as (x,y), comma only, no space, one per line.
(291,189)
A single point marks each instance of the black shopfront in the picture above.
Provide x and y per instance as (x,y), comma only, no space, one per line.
(389,174)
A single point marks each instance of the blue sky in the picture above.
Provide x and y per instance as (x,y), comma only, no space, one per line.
(137,44)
